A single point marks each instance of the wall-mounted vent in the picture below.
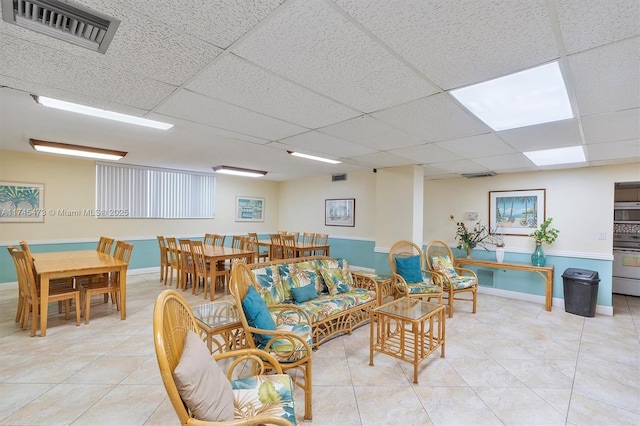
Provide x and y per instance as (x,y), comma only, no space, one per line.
(338,178)
(485,277)
(63,20)
(478,175)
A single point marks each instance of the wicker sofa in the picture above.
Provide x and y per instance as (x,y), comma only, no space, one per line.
(343,299)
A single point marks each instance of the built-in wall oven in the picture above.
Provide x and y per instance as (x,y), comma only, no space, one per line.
(626,259)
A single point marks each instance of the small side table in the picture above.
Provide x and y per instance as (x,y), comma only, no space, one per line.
(408,329)
(220,323)
(384,282)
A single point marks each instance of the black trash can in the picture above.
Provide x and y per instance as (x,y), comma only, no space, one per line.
(580,291)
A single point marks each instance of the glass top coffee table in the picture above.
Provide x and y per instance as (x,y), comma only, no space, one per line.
(408,329)
(220,323)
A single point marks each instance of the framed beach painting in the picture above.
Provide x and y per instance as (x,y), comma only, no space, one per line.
(249,209)
(21,202)
(516,212)
(340,212)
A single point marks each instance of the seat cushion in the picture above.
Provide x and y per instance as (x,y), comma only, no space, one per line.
(423,288)
(201,384)
(258,314)
(409,268)
(443,265)
(285,350)
(460,282)
(269,394)
(336,275)
(269,284)
(325,305)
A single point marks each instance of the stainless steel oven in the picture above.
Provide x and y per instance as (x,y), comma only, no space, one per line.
(628,211)
(626,264)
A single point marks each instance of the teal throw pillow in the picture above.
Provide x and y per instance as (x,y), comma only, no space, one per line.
(409,268)
(258,315)
(302,294)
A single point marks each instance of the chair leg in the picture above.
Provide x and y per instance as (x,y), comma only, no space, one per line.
(87,307)
(20,308)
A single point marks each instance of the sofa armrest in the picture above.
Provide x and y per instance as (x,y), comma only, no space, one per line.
(291,312)
(365,282)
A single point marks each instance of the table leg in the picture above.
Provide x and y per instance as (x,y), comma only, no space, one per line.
(371,337)
(549,293)
(44,304)
(123,292)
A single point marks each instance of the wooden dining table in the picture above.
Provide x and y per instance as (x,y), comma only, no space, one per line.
(64,264)
(299,247)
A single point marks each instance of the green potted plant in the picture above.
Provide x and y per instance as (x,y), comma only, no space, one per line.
(544,234)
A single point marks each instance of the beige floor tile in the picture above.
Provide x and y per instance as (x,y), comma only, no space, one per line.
(455,406)
(587,411)
(484,372)
(536,373)
(519,406)
(107,370)
(15,396)
(390,405)
(331,371)
(332,405)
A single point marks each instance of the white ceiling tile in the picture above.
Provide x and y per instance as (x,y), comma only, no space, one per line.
(242,83)
(432,172)
(477,146)
(324,145)
(380,160)
(199,108)
(462,166)
(557,134)
(434,118)
(219,22)
(614,150)
(607,78)
(427,154)
(589,23)
(506,163)
(462,42)
(38,64)
(310,42)
(368,131)
(616,126)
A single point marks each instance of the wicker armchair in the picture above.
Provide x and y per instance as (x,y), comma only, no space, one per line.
(172,321)
(456,280)
(422,283)
(290,343)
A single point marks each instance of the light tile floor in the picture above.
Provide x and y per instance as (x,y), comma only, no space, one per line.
(511,363)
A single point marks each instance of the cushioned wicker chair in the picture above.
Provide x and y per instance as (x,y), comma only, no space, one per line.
(456,281)
(290,342)
(410,275)
(172,322)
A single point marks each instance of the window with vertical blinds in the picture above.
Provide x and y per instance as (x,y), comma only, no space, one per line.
(124,191)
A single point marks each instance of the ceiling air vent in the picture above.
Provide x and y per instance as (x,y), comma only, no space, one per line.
(62,20)
(338,178)
(478,175)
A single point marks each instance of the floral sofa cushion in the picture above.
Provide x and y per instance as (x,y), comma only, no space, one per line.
(462,281)
(327,305)
(269,394)
(270,285)
(299,274)
(443,265)
(336,275)
(285,350)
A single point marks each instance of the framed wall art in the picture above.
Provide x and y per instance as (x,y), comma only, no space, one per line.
(340,212)
(249,209)
(516,212)
(21,202)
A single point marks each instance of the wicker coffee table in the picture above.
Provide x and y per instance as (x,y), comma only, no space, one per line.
(408,329)
(221,326)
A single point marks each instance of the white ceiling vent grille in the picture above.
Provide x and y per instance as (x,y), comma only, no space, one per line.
(338,178)
(478,175)
(63,20)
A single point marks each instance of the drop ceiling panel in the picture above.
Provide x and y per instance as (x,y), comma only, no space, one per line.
(43,66)
(463,42)
(544,136)
(462,166)
(627,150)
(201,109)
(219,22)
(506,163)
(477,146)
(434,118)
(367,131)
(616,126)
(242,83)
(310,42)
(381,159)
(324,145)
(427,154)
(607,78)
(589,23)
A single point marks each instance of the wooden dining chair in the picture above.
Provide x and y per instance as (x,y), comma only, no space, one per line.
(307,238)
(201,269)
(105,244)
(288,246)
(261,255)
(276,247)
(111,285)
(320,240)
(214,240)
(164,258)
(186,267)
(31,299)
(175,261)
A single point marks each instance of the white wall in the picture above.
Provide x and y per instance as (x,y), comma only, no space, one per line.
(579,200)
(69,184)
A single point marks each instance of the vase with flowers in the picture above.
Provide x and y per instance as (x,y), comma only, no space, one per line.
(498,241)
(545,234)
(468,239)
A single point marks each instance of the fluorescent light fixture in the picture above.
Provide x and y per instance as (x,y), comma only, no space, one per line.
(534,96)
(313,157)
(228,170)
(550,157)
(76,150)
(101,113)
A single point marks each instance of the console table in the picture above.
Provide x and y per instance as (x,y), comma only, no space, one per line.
(546,272)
